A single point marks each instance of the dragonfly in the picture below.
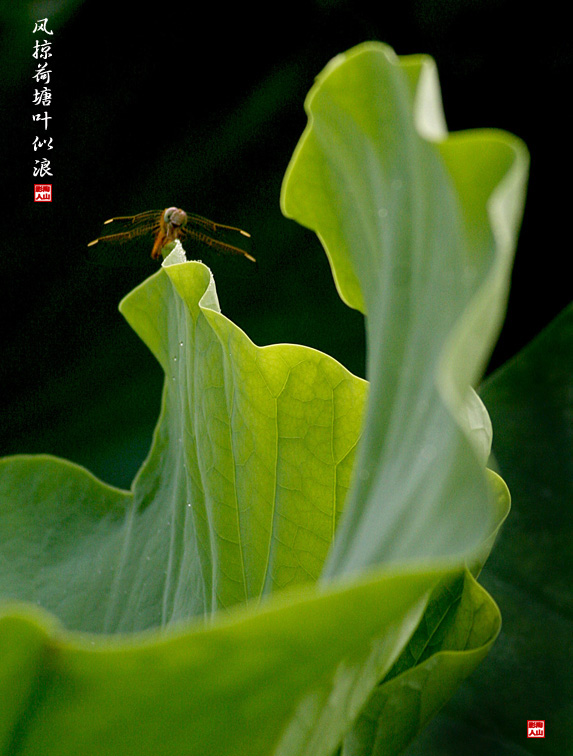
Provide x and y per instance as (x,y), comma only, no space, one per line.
(171,224)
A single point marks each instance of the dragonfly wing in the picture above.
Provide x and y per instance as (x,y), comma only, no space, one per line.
(212,227)
(110,248)
(198,222)
(217,242)
(132,225)
(227,239)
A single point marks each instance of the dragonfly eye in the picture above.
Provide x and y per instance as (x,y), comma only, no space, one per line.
(175,216)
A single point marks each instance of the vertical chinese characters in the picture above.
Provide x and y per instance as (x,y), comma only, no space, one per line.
(42,100)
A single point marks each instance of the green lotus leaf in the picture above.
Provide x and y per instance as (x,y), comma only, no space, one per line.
(420,231)
(296,549)
(530,571)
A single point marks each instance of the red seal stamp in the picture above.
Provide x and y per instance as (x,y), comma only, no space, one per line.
(42,192)
(535,728)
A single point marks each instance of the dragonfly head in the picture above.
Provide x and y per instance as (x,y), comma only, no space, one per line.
(175,217)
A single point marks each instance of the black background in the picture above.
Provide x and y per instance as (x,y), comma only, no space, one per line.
(201,106)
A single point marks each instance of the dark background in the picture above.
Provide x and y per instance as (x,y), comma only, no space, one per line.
(201,106)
